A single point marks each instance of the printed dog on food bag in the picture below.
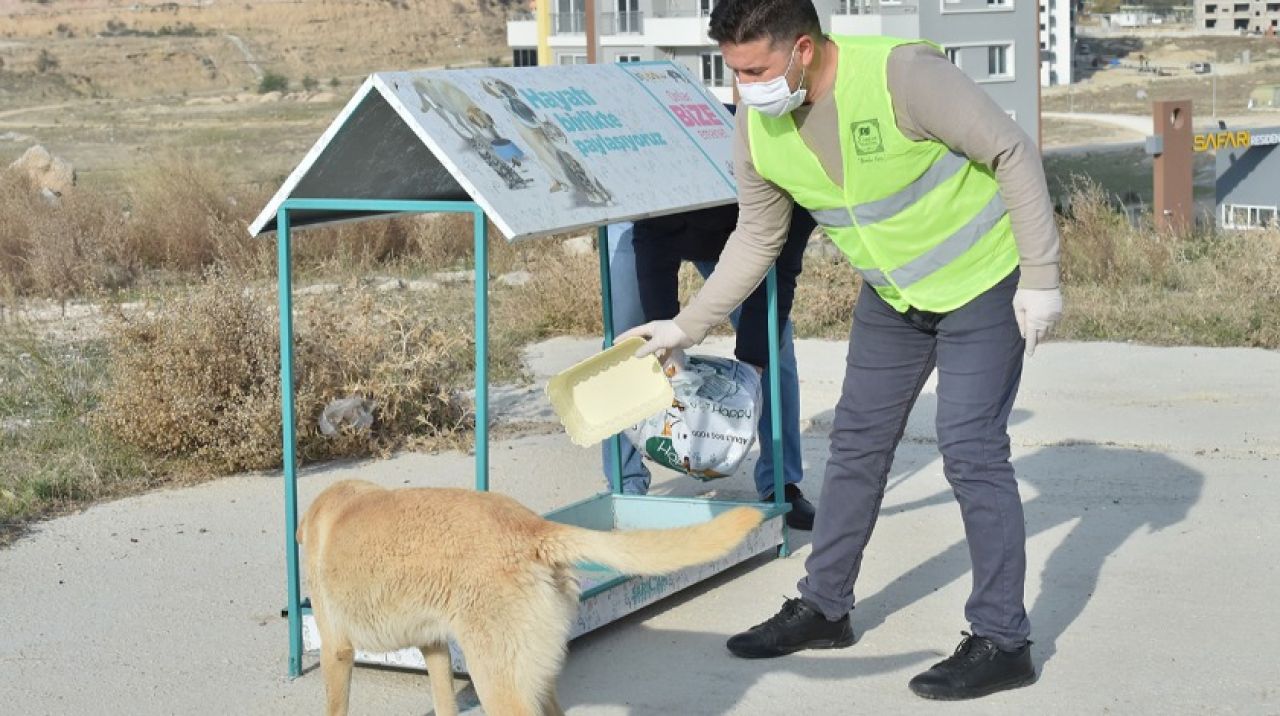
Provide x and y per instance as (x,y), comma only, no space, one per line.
(414,567)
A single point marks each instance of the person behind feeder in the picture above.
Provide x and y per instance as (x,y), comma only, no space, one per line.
(655,248)
(938,200)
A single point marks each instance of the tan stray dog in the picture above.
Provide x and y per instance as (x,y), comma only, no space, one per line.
(396,569)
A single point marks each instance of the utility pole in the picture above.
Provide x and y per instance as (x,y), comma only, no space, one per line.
(1213,81)
(589,8)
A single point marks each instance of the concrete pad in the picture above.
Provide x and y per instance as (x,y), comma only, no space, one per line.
(1150,483)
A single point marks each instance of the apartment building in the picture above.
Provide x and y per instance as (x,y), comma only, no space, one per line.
(1057,41)
(1241,16)
(993,41)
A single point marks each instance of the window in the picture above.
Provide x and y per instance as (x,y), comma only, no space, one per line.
(629,17)
(569,17)
(1237,216)
(1209,23)
(1210,8)
(704,7)
(523,57)
(713,69)
(628,58)
(999,3)
(998,61)
(953,56)
(573,59)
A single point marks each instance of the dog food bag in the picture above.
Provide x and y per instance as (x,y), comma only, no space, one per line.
(711,423)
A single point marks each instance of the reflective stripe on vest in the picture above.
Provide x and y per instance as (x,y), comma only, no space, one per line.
(947,166)
(876,211)
(875,277)
(936,258)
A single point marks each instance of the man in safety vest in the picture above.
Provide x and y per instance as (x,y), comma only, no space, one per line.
(938,200)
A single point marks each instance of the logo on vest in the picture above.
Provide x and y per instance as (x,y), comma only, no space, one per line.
(866,137)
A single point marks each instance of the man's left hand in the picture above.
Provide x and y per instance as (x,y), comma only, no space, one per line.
(1038,310)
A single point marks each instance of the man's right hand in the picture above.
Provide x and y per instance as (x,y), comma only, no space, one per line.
(661,336)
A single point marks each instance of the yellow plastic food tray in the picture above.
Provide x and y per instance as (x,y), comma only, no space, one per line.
(608,392)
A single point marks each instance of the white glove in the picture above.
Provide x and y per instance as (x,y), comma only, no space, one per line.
(663,336)
(1037,311)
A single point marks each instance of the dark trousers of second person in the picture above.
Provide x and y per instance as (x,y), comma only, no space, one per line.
(661,244)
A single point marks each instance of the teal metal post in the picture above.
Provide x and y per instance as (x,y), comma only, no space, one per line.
(775,401)
(290,446)
(606,300)
(482,349)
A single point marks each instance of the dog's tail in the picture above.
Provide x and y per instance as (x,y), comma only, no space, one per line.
(652,552)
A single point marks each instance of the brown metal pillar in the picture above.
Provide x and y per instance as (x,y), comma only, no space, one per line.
(589,8)
(1174,209)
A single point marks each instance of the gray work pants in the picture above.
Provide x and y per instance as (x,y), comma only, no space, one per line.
(978,353)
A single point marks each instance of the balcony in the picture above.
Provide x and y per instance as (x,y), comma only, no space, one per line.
(622,23)
(874,7)
(522,32)
(675,27)
(568,23)
(870,17)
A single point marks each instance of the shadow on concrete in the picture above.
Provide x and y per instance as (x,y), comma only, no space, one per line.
(1109,493)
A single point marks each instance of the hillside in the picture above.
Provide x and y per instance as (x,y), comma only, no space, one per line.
(106,84)
(67,49)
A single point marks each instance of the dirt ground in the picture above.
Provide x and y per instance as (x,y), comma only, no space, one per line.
(107,85)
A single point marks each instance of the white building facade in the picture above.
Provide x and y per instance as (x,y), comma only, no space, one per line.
(994,41)
(1057,41)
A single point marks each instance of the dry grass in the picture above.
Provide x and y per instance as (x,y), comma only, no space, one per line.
(197,378)
(1131,283)
(191,52)
(51,458)
(825,295)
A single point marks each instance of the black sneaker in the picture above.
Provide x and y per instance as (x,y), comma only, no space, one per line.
(797,626)
(802,510)
(977,668)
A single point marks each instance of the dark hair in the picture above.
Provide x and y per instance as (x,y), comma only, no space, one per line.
(739,21)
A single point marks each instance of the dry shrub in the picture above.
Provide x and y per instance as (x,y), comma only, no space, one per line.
(396,351)
(1100,245)
(18,201)
(183,215)
(71,247)
(1214,288)
(825,296)
(180,217)
(447,241)
(563,296)
(199,377)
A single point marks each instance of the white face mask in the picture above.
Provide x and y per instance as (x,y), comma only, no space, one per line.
(774,97)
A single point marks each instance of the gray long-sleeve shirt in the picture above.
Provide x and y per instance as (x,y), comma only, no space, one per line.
(932,100)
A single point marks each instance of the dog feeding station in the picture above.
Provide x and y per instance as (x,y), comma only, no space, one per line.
(537,151)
